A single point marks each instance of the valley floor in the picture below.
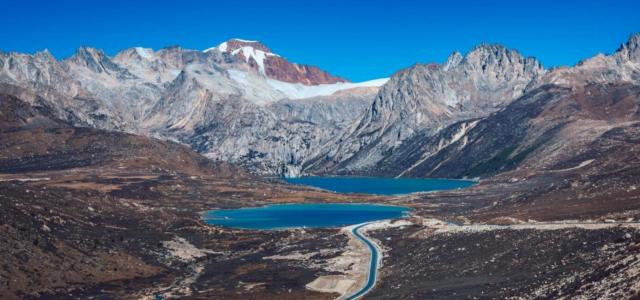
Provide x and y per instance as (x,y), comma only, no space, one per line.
(115,233)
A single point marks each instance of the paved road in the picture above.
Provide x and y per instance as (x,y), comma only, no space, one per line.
(373,265)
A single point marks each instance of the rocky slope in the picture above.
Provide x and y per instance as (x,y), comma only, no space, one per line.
(566,117)
(35,140)
(221,101)
(426,98)
(510,262)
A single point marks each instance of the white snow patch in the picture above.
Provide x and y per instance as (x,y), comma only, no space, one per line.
(268,90)
(144,52)
(301,91)
(238,76)
(258,55)
(249,52)
(210,49)
(254,87)
(223,47)
(244,41)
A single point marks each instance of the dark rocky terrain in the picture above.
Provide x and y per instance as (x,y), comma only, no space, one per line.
(507,263)
(92,213)
(549,128)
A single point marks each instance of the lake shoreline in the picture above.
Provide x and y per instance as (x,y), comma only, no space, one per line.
(302,215)
(383,186)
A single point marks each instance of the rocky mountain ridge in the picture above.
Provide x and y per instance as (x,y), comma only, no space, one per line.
(427,97)
(215,101)
(237,102)
(561,116)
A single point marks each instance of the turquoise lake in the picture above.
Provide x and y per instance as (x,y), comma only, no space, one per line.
(379,185)
(316,215)
(323,215)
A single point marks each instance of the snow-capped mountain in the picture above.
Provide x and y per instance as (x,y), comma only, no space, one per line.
(236,102)
(243,103)
(259,57)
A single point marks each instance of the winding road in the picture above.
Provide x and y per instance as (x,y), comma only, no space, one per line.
(373,265)
(376,255)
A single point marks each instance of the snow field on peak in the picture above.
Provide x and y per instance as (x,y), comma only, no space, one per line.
(258,55)
(266,90)
(300,91)
(144,52)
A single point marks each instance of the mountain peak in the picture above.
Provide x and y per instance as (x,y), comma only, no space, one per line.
(259,57)
(45,54)
(631,49)
(235,44)
(454,59)
(488,46)
(88,51)
(252,52)
(634,40)
(502,58)
(491,50)
(88,56)
(146,53)
(136,53)
(95,60)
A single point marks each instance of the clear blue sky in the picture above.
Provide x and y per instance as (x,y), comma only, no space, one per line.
(355,39)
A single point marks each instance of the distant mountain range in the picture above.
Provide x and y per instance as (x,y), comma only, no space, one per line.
(475,115)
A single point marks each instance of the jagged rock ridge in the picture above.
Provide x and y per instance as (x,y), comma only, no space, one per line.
(215,101)
(234,102)
(427,97)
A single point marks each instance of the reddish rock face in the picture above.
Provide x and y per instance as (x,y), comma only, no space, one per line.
(281,69)
(234,44)
(260,58)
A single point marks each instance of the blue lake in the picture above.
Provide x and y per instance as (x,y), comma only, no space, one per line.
(380,185)
(316,215)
